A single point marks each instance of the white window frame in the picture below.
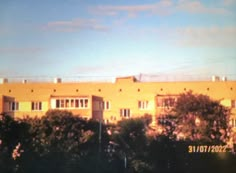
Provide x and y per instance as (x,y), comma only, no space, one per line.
(72,103)
(13,106)
(233,122)
(143,104)
(36,106)
(166,102)
(125,113)
(106,105)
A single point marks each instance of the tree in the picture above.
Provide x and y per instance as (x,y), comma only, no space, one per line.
(199,118)
(64,141)
(130,144)
(13,136)
(58,142)
(194,120)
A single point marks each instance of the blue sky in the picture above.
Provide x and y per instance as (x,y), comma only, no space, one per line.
(117,38)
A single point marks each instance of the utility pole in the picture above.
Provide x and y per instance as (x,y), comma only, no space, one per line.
(98,164)
(100,135)
(125,162)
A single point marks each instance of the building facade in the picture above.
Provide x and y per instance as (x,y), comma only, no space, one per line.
(111,102)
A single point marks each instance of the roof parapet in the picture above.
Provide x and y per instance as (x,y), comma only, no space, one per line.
(128,79)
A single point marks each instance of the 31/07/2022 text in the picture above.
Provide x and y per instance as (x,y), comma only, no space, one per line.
(207,148)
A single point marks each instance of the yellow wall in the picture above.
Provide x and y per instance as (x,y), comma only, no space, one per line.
(124,93)
(226,102)
(1,103)
(25,109)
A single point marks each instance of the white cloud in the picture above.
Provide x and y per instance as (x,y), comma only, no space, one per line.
(76,25)
(198,7)
(229,2)
(206,36)
(159,8)
(20,50)
(163,7)
(190,36)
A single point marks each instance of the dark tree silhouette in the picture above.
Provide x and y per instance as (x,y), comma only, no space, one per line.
(196,117)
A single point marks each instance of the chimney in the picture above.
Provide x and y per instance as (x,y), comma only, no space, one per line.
(24,81)
(215,78)
(224,78)
(3,80)
(57,80)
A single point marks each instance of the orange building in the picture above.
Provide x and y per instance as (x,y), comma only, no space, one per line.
(125,98)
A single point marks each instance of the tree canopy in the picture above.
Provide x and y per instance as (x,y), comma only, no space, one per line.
(198,117)
(65,143)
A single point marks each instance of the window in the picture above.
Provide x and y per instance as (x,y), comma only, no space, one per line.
(233,122)
(169,102)
(76,103)
(85,103)
(67,103)
(166,102)
(81,102)
(106,105)
(13,106)
(57,103)
(113,118)
(125,113)
(72,103)
(233,103)
(36,106)
(62,103)
(143,104)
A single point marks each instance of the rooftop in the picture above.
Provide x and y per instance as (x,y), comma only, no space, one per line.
(113,79)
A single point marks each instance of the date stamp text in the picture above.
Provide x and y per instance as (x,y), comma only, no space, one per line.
(207,149)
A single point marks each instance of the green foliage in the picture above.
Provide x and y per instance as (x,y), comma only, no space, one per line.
(131,135)
(60,131)
(63,143)
(197,117)
(171,156)
(12,133)
(64,139)
(130,141)
(57,142)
